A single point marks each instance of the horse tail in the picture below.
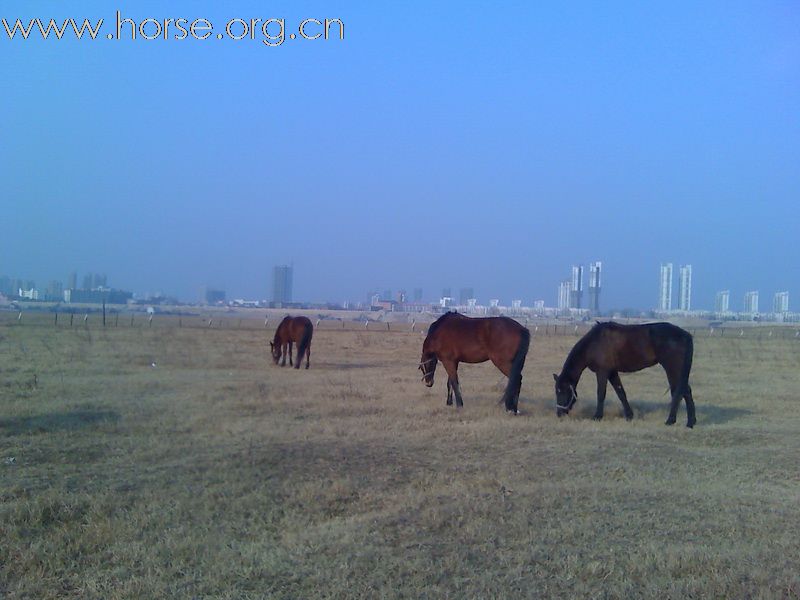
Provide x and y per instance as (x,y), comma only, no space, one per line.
(511,395)
(688,354)
(305,342)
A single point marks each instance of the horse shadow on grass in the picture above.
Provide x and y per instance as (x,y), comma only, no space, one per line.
(58,421)
(707,414)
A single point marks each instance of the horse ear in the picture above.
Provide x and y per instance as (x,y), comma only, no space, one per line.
(555,377)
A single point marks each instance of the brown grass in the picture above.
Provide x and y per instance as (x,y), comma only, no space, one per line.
(216,474)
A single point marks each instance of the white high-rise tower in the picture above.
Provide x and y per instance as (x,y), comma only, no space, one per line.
(685,287)
(665,288)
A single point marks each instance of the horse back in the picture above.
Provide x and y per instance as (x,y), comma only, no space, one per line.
(299,327)
(629,348)
(474,340)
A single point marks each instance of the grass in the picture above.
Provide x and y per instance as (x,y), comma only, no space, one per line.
(215,474)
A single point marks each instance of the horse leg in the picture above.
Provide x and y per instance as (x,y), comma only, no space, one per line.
(691,419)
(308,356)
(616,383)
(449,393)
(283,352)
(290,353)
(677,394)
(452,371)
(457,390)
(602,381)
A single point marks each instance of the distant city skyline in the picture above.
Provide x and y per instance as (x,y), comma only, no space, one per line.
(282,285)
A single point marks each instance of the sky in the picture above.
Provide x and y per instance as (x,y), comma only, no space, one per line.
(446,144)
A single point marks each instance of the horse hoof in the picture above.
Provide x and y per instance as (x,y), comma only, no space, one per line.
(629,417)
(597,418)
(670,422)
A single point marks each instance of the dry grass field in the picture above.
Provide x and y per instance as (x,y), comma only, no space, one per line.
(215,474)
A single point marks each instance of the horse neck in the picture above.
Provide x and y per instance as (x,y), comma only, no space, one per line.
(574,367)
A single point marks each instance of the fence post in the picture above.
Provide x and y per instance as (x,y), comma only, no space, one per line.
(131,320)
(104,312)
(56,320)
(71,317)
(19,316)
(150,321)
(116,320)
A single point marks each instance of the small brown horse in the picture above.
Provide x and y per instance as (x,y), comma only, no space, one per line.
(610,349)
(292,329)
(454,338)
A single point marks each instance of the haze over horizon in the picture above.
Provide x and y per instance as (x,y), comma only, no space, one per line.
(434,146)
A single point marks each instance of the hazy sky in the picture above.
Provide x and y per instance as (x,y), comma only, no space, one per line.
(439,144)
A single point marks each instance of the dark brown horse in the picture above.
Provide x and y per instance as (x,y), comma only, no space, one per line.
(454,338)
(290,330)
(610,349)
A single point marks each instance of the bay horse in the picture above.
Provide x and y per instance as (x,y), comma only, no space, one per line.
(611,348)
(454,338)
(292,329)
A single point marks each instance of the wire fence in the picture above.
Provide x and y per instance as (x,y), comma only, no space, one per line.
(115,320)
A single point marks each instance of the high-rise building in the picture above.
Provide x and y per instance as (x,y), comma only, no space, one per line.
(780,303)
(751,302)
(99,280)
(665,288)
(576,290)
(72,281)
(595,271)
(87,282)
(685,287)
(447,293)
(54,291)
(282,276)
(723,303)
(213,295)
(417,294)
(564,294)
(465,294)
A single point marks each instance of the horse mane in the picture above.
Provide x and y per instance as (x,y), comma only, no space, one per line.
(437,323)
(588,338)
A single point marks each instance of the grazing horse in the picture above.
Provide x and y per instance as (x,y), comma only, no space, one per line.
(610,349)
(292,329)
(454,338)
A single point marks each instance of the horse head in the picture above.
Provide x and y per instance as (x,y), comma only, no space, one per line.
(427,364)
(275,350)
(566,395)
